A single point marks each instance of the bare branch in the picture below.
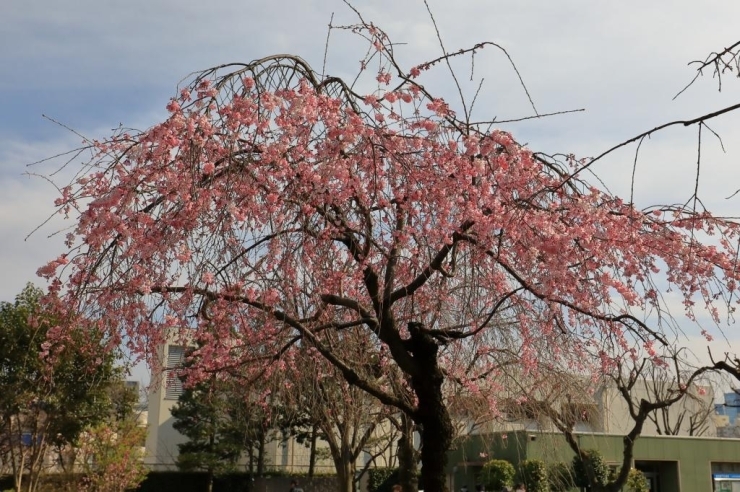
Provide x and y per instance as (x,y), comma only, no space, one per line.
(699,119)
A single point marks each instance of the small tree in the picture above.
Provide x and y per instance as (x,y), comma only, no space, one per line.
(560,477)
(347,418)
(636,481)
(381,479)
(497,474)
(590,468)
(203,415)
(534,475)
(112,456)
(51,391)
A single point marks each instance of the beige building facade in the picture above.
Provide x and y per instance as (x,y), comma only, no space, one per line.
(281,453)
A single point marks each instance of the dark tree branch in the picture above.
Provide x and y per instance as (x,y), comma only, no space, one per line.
(648,133)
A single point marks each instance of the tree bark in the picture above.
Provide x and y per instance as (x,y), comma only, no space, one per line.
(345,472)
(261,453)
(407,470)
(312,455)
(431,416)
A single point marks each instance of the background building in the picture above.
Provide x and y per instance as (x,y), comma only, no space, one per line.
(671,463)
(283,453)
(730,407)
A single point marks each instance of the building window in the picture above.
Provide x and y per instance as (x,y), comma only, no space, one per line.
(173,384)
(726,476)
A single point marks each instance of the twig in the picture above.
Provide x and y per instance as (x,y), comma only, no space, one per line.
(475,97)
(356,12)
(447,61)
(721,144)
(696,183)
(524,118)
(713,58)
(634,171)
(481,46)
(694,121)
(326,47)
(698,168)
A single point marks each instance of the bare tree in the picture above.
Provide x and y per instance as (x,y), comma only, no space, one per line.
(691,415)
(348,419)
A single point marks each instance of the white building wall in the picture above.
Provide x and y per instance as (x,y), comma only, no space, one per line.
(162,438)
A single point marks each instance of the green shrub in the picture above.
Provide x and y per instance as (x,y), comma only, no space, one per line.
(534,475)
(592,466)
(381,479)
(497,474)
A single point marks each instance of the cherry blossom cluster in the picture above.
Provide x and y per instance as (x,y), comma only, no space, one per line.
(258,215)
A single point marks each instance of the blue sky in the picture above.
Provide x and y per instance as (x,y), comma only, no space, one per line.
(93,65)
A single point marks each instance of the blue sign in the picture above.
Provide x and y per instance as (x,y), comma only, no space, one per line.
(726,476)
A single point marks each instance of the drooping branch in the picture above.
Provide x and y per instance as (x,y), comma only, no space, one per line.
(348,372)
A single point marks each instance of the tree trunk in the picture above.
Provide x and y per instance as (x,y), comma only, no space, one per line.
(436,438)
(14,466)
(345,473)
(212,444)
(312,455)
(432,416)
(261,453)
(406,453)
